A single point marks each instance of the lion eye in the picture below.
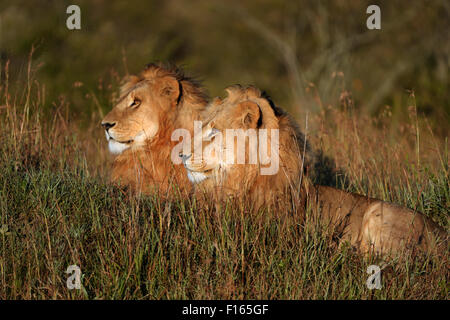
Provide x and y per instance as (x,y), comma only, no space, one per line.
(135,103)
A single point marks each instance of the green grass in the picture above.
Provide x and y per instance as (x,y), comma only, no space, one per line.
(134,248)
(131,247)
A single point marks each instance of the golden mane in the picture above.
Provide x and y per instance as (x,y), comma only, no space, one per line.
(170,100)
(244,179)
(192,91)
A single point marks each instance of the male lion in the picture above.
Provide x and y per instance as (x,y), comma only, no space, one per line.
(139,127)
(250,113)
(367,224)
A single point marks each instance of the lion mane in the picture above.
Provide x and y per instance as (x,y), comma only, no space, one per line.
(249,108)
(151,106)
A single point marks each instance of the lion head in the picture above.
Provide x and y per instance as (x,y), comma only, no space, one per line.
(138,129)
(135,119)
(247,146)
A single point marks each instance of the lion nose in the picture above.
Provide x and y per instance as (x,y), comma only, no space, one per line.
(108,125)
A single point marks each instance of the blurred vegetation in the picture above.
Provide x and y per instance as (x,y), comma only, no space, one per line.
(304,53)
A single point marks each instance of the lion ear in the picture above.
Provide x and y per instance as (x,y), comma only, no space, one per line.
(170,88)
(248,114)
(269,119)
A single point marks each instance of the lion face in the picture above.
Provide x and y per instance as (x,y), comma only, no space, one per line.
(228,144)
(209,161)
(199,167)
(136,118)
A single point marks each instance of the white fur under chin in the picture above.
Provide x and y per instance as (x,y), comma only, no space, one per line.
(117,147)
(196,177)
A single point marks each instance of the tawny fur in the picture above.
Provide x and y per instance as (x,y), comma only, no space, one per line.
(236,112)
(170,100)
(369,225)
(372,225)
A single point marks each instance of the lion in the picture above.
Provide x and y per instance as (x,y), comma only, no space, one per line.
(368,224)
(248,109)
(138,129)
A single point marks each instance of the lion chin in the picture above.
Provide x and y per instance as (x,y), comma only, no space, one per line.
(116,147)
(196,177)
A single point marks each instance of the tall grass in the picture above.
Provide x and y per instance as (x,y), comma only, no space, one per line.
(57,209)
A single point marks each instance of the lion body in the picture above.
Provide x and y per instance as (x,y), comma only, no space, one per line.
(372,225)
(368,224)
